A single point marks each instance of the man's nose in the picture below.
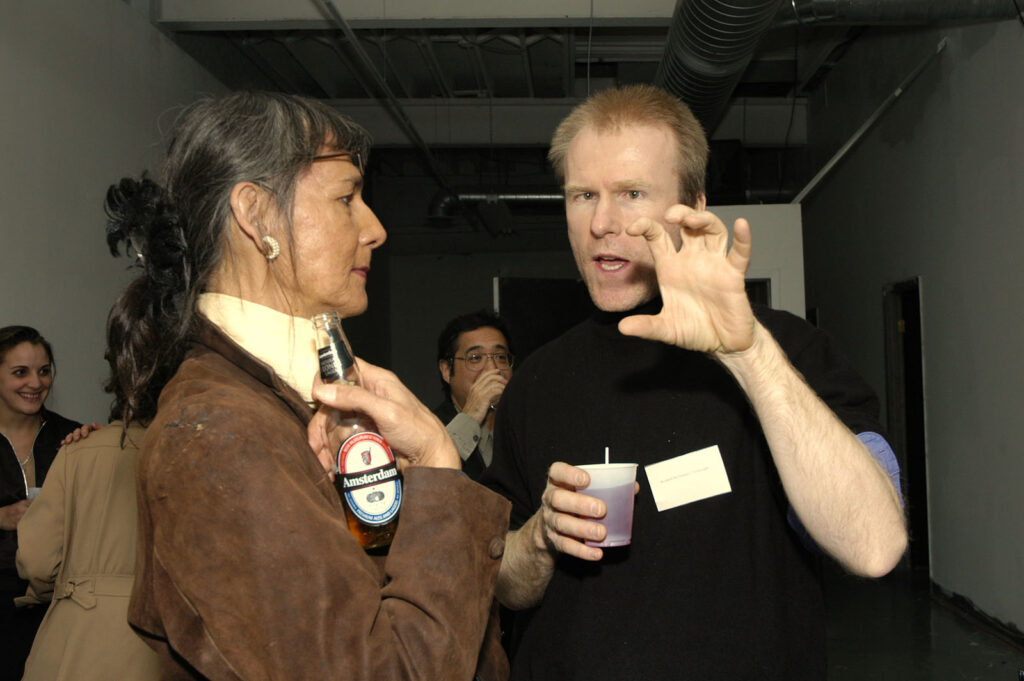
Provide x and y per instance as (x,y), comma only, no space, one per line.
(607,218)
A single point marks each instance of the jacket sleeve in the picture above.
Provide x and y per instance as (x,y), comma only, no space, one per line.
(465,433)
(41,535)
(252,573)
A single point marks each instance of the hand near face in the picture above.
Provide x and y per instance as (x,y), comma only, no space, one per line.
(10,515)
(704,300)
(484,392)
(415,435)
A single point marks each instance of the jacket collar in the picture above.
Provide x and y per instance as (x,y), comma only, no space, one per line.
(215,340)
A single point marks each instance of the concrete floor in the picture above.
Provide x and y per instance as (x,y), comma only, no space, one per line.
(891,629)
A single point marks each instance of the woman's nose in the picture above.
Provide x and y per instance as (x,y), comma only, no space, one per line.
(372,232)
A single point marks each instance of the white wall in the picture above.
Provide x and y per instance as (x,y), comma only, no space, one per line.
(778,254)
(86,87)
(936,190)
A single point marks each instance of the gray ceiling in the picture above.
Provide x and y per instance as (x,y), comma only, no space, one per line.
(458,73)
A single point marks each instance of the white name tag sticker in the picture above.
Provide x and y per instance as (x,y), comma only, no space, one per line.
(688,478)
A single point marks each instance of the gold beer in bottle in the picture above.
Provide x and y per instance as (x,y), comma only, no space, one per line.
(366,475)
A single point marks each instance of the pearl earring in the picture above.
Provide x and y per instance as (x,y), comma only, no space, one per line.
(271,248)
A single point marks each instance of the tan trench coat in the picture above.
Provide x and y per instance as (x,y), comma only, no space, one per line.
(76,545)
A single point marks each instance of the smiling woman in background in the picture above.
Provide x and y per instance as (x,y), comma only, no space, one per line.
(31,437)
(77,546)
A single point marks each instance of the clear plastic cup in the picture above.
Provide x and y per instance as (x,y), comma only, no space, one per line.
(613,484)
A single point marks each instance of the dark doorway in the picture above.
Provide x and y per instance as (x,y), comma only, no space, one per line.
(759,291)
(904,383)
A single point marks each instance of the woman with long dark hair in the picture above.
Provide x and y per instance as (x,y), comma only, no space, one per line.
(247,569)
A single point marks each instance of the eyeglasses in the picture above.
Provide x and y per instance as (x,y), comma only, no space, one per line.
(355,159)
(475,360)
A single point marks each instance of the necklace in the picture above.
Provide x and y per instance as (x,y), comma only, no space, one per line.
(23,462)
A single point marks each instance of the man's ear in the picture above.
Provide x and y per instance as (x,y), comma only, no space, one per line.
(248,206)
(701,203)
(446,370)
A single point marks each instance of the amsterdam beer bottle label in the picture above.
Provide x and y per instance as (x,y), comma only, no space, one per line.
(369,477)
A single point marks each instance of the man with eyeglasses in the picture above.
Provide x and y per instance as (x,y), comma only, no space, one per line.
(475,363)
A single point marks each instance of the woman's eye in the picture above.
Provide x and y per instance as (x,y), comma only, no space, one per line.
(45,371)
(346,199)
(19,372)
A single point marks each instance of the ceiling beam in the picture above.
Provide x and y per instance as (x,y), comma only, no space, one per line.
(524,53)
(381,43)
(426,46)
(250,47)
(219,15)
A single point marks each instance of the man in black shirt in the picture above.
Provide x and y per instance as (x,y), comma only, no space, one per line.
(767,444)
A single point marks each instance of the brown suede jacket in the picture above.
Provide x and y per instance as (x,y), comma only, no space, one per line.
(247,569)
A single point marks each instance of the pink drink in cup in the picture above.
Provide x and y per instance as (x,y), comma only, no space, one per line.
(613,484)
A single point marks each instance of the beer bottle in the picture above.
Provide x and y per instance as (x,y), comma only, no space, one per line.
(366,475)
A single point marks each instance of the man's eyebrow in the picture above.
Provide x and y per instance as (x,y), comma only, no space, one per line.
(621,185)
(479,346)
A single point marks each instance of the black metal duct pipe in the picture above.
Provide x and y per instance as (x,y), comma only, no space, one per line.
(880,12)
(710,43)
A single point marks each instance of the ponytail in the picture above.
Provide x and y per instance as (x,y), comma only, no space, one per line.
(149,325)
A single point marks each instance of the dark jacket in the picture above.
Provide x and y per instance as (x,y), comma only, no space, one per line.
(12,482)
(247,569)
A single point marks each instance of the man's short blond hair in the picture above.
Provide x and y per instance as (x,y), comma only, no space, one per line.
(616,108)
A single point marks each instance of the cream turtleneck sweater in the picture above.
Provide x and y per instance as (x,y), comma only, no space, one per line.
(287,344)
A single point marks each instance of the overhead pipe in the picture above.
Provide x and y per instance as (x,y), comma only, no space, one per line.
(390,102)
(446,204)
(869,123)
(888,12)
(711,42)
(709,45)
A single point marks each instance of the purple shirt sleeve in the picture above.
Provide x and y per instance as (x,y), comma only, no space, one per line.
(885,457)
